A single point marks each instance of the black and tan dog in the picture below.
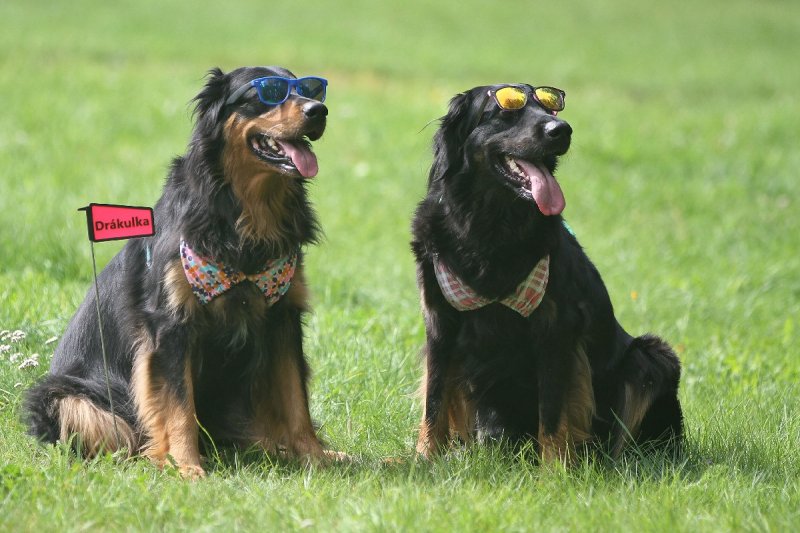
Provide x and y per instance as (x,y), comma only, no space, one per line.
(203,321)
(522,342)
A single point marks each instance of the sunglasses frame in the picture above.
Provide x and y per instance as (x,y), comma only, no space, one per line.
(531,90)
(532,93)
(292,83)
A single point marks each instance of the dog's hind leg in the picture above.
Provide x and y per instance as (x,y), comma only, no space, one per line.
(648,406)
(281,421)
(163,390)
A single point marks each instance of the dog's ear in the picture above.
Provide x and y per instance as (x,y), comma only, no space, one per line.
(210,102)
(206,141)
(448,143)
(455,123)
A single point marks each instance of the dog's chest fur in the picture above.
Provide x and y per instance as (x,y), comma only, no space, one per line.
(230,317)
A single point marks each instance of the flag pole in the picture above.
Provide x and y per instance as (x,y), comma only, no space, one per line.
(108,222)
(103,346)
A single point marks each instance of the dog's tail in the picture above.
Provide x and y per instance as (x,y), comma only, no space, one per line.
(648,407)
(62,406)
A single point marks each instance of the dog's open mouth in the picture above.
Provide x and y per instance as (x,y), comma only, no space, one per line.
(293,156)
(533,181)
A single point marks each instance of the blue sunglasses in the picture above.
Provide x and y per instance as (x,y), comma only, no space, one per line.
(275,90)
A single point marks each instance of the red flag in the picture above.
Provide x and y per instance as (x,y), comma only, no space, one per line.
(108,222)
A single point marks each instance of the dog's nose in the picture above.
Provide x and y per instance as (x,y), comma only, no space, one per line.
(315,110)
(557,130)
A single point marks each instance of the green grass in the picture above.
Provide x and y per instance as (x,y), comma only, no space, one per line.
(681,184)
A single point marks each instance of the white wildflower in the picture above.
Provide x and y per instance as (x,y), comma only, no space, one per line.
(31,361)
(12,336)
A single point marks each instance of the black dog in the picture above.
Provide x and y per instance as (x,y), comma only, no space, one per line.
(203,321)
(522,342)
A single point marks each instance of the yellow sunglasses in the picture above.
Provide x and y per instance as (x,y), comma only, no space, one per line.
(512,97)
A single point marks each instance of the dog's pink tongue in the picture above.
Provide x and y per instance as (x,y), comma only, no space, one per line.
(302,157)
(544,188)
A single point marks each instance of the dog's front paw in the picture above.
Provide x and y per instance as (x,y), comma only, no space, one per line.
(307,450)
(191,472)
(428,448)
(333,456)
(432,440)
(557,449)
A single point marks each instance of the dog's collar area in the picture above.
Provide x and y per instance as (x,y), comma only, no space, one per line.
(209,278)
(524,300)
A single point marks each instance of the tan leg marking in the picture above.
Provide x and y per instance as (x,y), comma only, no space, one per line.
(455,418)
(461,414)
(575,426)
(168,422)
(282,422)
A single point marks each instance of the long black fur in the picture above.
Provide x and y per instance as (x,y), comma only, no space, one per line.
(198,203)
(515,370)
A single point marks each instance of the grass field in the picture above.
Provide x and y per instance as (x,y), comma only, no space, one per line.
(682,184)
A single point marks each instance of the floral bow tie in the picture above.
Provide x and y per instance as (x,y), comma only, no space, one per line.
(209,278)
(524,300)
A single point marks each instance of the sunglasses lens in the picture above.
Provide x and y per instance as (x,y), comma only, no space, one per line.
(273,91)
(313,88)
(511,98)
(550,97)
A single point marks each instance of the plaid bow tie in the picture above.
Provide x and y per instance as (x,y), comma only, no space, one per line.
(209,278)
(524,300)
